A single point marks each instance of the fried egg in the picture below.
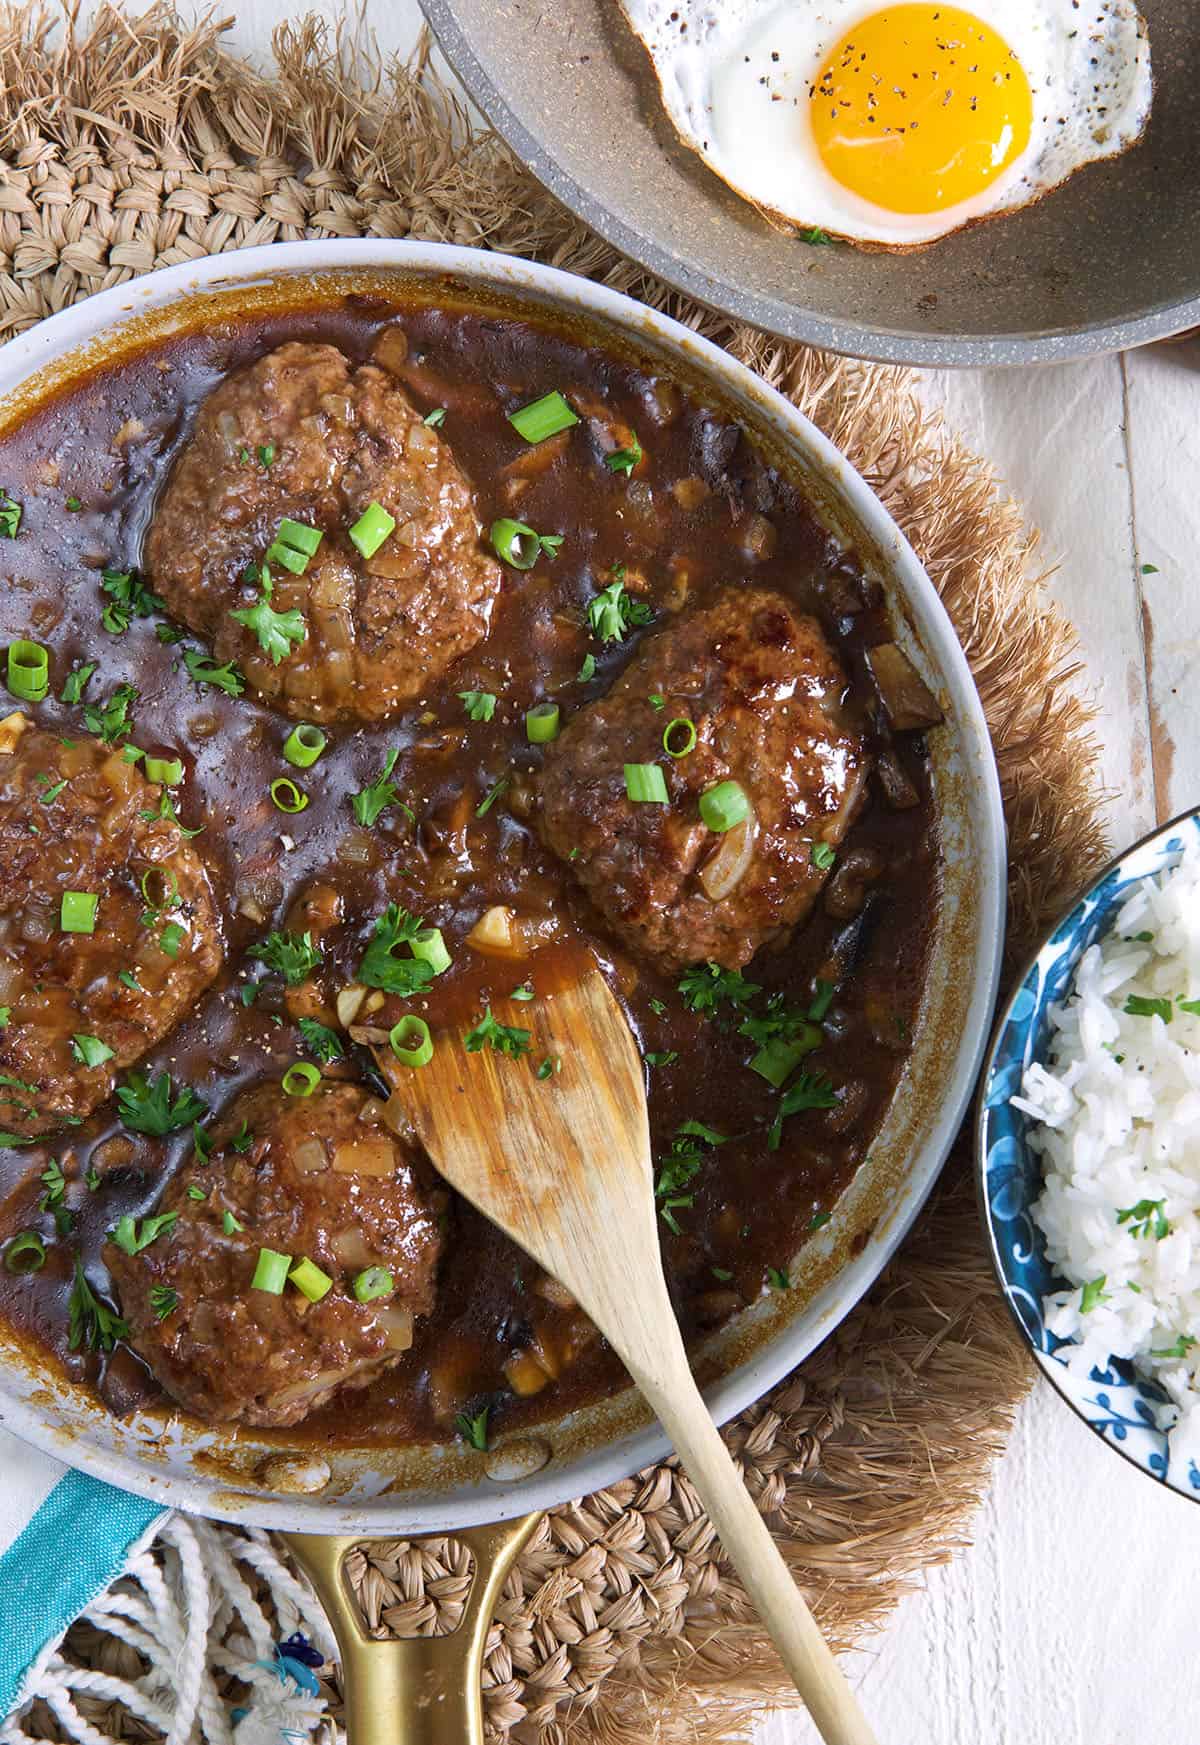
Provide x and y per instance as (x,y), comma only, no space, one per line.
(895,125)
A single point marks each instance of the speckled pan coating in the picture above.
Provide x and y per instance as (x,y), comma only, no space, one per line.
(1111,260)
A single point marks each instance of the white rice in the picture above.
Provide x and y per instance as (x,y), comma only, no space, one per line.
(1118,1113)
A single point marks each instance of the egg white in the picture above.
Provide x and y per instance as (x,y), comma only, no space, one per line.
(735,80)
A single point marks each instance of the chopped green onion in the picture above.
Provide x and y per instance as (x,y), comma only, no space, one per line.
(10,516)
(91,1051)
(304,745)
(299,536)
(271,1271)
(436,418)
(541,723)
(373,1282)
(232,1226)
(679,737)
(266,454)
(28,670)
(822,855)
(474,1429)
(78,911)
(25,1243)
(724,806)
(515,543)
(167,770)
(430,947)
(295,561)
(309,1280)
(170,888)
(543,418)
(777,1060)
(301,1079)
(287,796)
(645,781)
(373,526)
(411,1042)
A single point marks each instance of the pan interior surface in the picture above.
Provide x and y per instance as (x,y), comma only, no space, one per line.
(1111,259)
(254,1477)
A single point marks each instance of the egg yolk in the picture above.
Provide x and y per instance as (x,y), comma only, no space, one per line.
(919,107)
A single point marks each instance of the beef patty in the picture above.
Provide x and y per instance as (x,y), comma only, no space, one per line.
(317,1179)
(78,817)
(304,434)
(764,693)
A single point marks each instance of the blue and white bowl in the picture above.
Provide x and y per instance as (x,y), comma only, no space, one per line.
(1115,1401)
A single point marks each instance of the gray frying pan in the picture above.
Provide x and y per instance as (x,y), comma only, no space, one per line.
(1108,261)
(329,1499)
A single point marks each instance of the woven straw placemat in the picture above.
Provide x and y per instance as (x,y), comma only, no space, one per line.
(138,144)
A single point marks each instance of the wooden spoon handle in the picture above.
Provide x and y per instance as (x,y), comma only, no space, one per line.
(674,1395)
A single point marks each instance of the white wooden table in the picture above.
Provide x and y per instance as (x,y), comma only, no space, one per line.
(1072,1619)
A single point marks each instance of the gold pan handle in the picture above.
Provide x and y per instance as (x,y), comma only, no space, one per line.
(424,1690)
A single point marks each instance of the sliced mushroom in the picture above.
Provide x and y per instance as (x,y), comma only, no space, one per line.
(902,691)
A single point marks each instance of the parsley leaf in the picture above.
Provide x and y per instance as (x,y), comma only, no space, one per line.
(623,460)
(111,721)
(10,516)
(381,968)
(613,612)
(706,986)
(1180,1348)
(163,1300)
(1146,1218)
(147,1107)
(1138,1007)
(276,631)
(292,955)
(493,794)
(90,1321)
(480,705)
(587,669)
(822,855)
(508,1039)
(325,1043)
(778,1278)
(812,1090)
(90,1051)
(679,1168)
(474,1429)
(76,683)
(1092,1293)
(370,801)
(205,671)
(128,598)
(132,1240)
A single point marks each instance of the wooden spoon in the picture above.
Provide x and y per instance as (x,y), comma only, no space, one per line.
(563,1165)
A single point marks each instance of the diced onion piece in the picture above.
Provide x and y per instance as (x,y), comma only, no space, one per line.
(525,1374)
(493,934)
(391,347)
(723,871)
(375,1157)
(903,692)
(397,1326)
(551,1291)
(309,1157)
(11,729)
(350,1246)
(348,1002)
